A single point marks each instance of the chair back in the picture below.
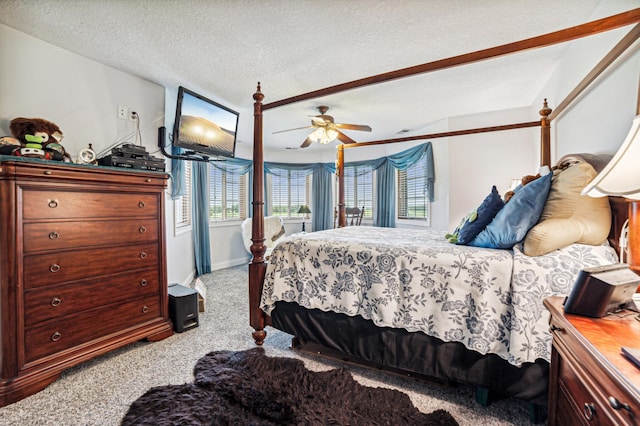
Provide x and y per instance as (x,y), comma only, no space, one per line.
(354,216)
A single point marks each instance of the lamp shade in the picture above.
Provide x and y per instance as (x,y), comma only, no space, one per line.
(621,176)
(304,209)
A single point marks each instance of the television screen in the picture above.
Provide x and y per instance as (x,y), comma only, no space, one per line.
(204,126)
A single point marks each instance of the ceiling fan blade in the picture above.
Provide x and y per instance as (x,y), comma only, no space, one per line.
(344,138)
(353,127)
(306,143)
(288,130)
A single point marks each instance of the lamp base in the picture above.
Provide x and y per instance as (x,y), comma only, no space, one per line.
(303,230)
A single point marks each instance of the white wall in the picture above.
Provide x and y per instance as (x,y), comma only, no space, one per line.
(600,118)
(81,96)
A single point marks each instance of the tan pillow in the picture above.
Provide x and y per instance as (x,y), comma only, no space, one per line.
(569,217)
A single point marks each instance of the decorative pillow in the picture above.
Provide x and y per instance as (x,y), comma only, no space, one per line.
(485,213)
(514,220)
(569,217)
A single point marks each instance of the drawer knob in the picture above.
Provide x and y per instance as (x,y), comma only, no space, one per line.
(48,172)
(143,282)
(143,255)
(589,410)
(54,268)
(53,203)
(147,180)
(56,336)
(617,405)
(54,235)
(142,229)
(142,204)
(556,328)
(145,309)
(55,302)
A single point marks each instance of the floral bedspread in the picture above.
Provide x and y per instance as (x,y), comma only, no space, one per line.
(489,300)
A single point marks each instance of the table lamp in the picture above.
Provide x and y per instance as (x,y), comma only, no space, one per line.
(304,210)
(621,177)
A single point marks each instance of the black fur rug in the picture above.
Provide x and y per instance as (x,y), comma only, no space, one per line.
(249,388)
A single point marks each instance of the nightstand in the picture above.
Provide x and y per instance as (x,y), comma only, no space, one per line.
(591,382)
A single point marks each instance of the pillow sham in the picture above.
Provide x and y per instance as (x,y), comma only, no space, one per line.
(485,213)
(513,221)
(569,217)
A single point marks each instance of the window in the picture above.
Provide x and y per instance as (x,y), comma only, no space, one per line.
(358,188)
(183,203)
(227,195)
(413,195)
(290,189)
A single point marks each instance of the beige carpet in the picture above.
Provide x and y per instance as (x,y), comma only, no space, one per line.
(98,392)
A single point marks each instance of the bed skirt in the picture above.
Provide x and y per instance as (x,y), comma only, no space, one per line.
(412,352)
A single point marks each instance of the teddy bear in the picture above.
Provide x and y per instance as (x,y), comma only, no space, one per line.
(38,138)
(525,180)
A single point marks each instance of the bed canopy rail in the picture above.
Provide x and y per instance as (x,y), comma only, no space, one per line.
(257,268)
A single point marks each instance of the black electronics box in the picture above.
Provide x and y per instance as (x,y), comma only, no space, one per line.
(132,157)
(183,307)
(602,289)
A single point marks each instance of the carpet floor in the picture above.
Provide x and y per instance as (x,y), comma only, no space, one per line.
(100,391)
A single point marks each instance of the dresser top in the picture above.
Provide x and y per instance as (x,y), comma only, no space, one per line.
(604,338)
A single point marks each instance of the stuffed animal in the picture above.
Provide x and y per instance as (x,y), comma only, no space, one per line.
(525,180)
(38,138)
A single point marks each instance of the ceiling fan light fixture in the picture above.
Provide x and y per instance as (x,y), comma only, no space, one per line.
(323,136)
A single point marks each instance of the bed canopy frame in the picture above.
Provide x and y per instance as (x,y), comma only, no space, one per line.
(257,268)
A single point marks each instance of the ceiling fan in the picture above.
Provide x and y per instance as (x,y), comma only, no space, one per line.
(326,130)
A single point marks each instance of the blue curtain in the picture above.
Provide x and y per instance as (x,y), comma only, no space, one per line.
(385,206)
(322,200)
(178,181)
(201,246)
(321,207)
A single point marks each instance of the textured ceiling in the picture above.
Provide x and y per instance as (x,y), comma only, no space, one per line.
(223,48)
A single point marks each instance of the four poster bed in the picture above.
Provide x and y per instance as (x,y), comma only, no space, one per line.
(417,303)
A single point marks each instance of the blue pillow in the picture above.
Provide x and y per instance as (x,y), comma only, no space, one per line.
(514,220)
(485,214)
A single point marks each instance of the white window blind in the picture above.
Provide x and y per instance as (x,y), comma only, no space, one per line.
(358,188)
(413,199)
(183,204)
(289,190)
(227,195)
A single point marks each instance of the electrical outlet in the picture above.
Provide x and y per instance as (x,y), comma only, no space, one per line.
(123,112)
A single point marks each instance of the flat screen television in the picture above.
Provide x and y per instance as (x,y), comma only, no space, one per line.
(203,126)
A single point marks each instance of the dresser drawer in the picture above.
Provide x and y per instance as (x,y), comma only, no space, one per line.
(73,330)
(39,236)
(48,204)
(577,405)
(45,303)
(57,268)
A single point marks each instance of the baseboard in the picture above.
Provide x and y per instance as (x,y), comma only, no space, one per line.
(230,263)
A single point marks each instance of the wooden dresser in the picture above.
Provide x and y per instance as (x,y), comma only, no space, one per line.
(591,382)
(82,263)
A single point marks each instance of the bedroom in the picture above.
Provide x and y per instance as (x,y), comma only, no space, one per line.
(612,102)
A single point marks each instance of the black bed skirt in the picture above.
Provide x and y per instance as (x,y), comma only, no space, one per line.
(412,352)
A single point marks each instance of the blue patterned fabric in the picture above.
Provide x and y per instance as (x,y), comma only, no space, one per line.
(488,300)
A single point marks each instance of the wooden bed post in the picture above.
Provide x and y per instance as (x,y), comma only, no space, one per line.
(258,266)
(545,135)
(342,220)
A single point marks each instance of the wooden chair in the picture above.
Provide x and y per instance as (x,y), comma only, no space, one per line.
(353,216)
